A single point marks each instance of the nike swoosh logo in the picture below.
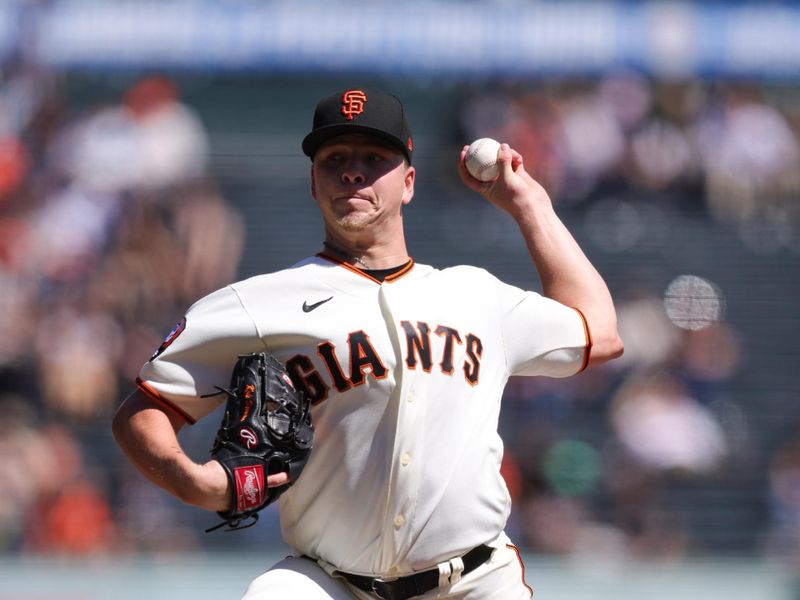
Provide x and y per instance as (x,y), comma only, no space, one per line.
(309,307)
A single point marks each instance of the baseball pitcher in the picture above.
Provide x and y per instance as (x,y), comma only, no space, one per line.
(392,373)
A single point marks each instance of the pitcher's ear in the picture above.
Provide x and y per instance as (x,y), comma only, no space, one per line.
(408,192)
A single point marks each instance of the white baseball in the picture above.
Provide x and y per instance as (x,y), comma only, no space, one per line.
(481,159)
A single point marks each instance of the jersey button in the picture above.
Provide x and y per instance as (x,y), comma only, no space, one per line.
(405,459)
(399,520)
(410,396)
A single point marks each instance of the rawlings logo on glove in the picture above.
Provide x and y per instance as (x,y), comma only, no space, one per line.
(266,430)
(249,487)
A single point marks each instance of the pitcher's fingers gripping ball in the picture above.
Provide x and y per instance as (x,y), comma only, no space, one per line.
(481,159)
(266,429)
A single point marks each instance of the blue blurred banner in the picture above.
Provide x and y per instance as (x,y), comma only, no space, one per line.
(445,38)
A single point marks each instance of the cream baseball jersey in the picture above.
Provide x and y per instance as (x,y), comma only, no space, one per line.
(406,378)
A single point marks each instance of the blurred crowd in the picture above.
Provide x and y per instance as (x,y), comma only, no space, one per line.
(110,226)
(112,223)
(730,148)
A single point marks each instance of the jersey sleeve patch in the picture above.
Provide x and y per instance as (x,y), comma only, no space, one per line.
(171,337)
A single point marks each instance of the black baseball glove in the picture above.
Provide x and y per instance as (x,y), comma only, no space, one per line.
(266,430)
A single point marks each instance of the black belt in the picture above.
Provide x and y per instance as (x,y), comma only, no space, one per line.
(417,584)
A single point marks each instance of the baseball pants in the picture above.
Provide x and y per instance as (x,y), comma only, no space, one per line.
(499,578)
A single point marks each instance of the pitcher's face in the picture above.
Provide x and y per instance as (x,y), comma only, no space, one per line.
(358,181)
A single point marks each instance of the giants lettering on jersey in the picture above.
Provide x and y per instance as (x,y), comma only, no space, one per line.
(424,347)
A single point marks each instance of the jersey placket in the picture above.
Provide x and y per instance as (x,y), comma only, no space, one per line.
(406,451)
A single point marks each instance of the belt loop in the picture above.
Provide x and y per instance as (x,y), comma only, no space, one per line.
(457,567)
(444,573)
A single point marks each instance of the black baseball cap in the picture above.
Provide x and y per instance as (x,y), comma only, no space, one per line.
(360,110)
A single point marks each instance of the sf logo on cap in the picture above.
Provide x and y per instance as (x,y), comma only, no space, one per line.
(353,103)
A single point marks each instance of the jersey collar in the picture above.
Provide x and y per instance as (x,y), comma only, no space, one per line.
(389,278)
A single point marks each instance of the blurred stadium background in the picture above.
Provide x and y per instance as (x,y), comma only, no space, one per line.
(149,153)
